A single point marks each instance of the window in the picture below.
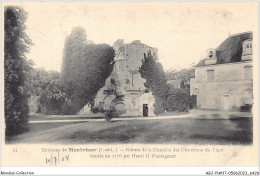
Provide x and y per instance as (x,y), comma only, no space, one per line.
(247,47)
(127,81)
(210,75)
(196,91)
(210,54)
(113,81)
(248,72)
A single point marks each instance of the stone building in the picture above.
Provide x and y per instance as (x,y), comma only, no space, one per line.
(224,80)
(124,90)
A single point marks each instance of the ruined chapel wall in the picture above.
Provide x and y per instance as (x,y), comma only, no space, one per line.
(128,80)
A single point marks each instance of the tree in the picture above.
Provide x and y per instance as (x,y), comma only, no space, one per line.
(175,103)
(184,75)
(156,82)
(16,45)
(46,92)
(166,97)
(85,68)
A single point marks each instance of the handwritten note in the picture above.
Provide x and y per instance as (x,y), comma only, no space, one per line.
(56,158)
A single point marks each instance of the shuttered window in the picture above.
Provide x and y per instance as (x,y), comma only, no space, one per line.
(210,75)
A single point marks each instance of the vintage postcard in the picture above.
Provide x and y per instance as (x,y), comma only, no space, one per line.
(130,84)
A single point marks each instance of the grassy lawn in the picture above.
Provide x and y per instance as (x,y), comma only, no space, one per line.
(161,131)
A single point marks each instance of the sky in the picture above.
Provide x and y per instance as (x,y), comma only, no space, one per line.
(182,31)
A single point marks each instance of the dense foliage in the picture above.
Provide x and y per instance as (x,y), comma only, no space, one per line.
(85,68)
(16,45)
(46,93)
(156,82)
(166,97)
(183,74)
(178,99)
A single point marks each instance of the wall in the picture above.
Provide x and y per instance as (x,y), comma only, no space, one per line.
(229,90)
(128,81)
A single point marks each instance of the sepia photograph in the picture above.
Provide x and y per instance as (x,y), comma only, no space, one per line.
(130,82)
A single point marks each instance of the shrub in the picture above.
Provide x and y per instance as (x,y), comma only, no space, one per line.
(46,92)
(178,100)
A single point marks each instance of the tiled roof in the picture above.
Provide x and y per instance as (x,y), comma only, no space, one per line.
(230,50)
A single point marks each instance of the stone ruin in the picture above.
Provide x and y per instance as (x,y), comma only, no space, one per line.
(124,91)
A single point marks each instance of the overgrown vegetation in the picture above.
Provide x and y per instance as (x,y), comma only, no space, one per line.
(85,68)
(46,93)
(16,45)
(180,100)
(184,75)
(166,97)
(156,82)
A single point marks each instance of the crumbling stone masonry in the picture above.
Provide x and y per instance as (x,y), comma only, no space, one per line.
(124,90)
